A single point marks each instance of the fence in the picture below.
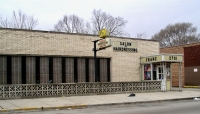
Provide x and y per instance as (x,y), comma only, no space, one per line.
(44,90)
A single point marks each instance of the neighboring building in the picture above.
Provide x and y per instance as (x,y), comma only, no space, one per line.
(190,66)
(33,56)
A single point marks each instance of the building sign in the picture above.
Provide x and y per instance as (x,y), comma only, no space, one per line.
(125,46)
(161,58)
(151,59)
(103,43)
(173,58)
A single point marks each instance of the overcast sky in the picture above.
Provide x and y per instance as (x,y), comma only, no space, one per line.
(149,16)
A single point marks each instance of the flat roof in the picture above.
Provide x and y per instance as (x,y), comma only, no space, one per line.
(44,31)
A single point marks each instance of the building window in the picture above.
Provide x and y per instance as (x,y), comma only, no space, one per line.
(147,72)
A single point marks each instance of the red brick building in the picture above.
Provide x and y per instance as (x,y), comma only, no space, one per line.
(190,66)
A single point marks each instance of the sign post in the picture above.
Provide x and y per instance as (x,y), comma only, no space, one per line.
(95,60)
(103,44)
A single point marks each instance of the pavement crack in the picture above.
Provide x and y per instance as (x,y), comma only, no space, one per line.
(1,107)
(12,104)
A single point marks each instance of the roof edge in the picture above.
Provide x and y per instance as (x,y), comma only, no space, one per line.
(45,31)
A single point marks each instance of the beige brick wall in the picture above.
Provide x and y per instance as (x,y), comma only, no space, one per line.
(125,66)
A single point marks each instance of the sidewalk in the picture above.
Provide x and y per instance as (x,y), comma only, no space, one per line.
(94,100)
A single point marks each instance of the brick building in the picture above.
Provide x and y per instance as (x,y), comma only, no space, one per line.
(190,66)
(33,56)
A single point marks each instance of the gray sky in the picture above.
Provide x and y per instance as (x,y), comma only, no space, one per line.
(149,16)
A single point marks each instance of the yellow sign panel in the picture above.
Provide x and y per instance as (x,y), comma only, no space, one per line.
(103,33)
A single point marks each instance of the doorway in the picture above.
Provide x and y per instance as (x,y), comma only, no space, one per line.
(160,73)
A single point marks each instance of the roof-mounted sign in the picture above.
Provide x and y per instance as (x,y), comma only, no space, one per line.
(103,33)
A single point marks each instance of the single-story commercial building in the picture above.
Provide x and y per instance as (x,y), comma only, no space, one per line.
(39,58)
(31,56)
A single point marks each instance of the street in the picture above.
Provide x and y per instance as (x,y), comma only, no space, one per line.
(176,107)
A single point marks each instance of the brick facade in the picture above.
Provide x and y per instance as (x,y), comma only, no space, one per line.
(125,66)
(177,50)
(192,65)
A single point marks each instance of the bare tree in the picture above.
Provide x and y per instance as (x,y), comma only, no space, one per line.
(87,29)
(103,20)
(177,34)
(100,20)
(4,22)
(141,35)
(19,20)
(23,21)
(71,24)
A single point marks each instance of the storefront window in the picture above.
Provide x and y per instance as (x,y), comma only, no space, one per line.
(147,72)
(168,70)
(154,72)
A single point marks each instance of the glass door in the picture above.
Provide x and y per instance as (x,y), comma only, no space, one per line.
(160,72)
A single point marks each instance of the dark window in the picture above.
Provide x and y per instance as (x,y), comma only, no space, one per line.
(23,69)
(75,70)
(37,70)
(50,69)
(9,70)
(87,69)
(108,71)
(63,70)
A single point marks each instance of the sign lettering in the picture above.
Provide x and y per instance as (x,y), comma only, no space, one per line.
(125,46)
(173,58)
(151,59)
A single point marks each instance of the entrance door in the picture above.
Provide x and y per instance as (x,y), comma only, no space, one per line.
(160,72)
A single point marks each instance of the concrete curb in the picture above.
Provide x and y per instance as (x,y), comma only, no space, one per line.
(197,87)
(45,108)
(142,102)
(93,105)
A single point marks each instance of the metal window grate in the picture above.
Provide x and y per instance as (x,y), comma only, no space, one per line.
(81,70)
(44,70)
(16,70)
(3,70)
(57,70)
(30,70)
(69,70)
